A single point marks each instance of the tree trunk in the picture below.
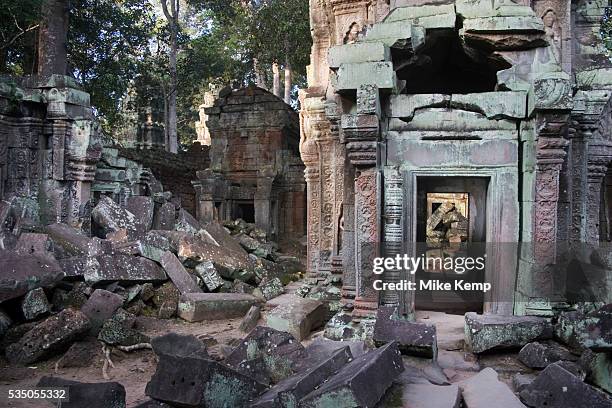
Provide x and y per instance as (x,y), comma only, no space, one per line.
(276,83)
(53,38)
(172,16)
(172,130)
(287,82)
(260,78)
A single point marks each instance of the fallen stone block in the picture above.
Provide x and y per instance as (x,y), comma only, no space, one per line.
(101,306)
(195,307)
(209,275)
(5,323)
(565,328)
(180,345)
(80,354)
(20,274)
(412,337)
(165,217)
(143,209)
(35,304)
(52,335)
(268,355)
(298,317)
(110,216)
(110,268)
(484,390)
(290,391)
(360,383)
(520,381)
(197,382)
(250,319)
(555,387)
(223,238)
(491,331)
(152,246)
(595,330)
(90,395)
(431,396)
(597,368)
(540,355)
(33,243)
(178,275)
(322,348)
(186,222)
(193,251)
(74,243)
(119,330)
(269,288)
(573,368)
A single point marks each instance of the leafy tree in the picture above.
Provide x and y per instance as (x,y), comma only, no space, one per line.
(20,21)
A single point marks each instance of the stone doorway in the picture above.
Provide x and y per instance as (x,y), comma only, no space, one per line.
(244,209)
(450,216)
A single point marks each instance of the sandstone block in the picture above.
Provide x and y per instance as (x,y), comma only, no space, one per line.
(108,268)
(152,246)
(298,317)
(556,387)
(197,382)
(186,222)
(35,304)
(250,319)
(74,242)
(164,218)
(357,52)
(110,217)
(178,274)
(19,274)
(101,306)
(489,331)
(119,330)
(360,383)
(268,355)
(595,331)
(195,307)
(290,391)
(210,276)
(540,355)
(431,396)
(52,335)
(597,368)
(32,243)
(484,390)
(269,288)
(90,395)
(143,209)
(412,337)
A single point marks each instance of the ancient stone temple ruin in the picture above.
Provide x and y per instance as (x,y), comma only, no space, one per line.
(504,105)
(255,172)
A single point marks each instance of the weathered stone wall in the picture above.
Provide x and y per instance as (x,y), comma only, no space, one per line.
(519,94)
(174,171)
(255,167)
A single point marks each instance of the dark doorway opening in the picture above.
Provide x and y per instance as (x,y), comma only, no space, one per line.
(451,224)
(244,210)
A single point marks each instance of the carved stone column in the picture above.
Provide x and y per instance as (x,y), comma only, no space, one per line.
(263,203)
(311,116)
(348,239)
(393,232)
(596,172)
(550,155)
(361,133)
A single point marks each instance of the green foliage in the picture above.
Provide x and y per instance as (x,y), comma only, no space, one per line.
(18,29)
(606,30)
(281,32)
(107,45)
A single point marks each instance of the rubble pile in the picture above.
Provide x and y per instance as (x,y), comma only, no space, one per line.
(147,256)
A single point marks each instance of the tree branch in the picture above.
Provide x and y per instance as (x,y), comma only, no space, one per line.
(16,36)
